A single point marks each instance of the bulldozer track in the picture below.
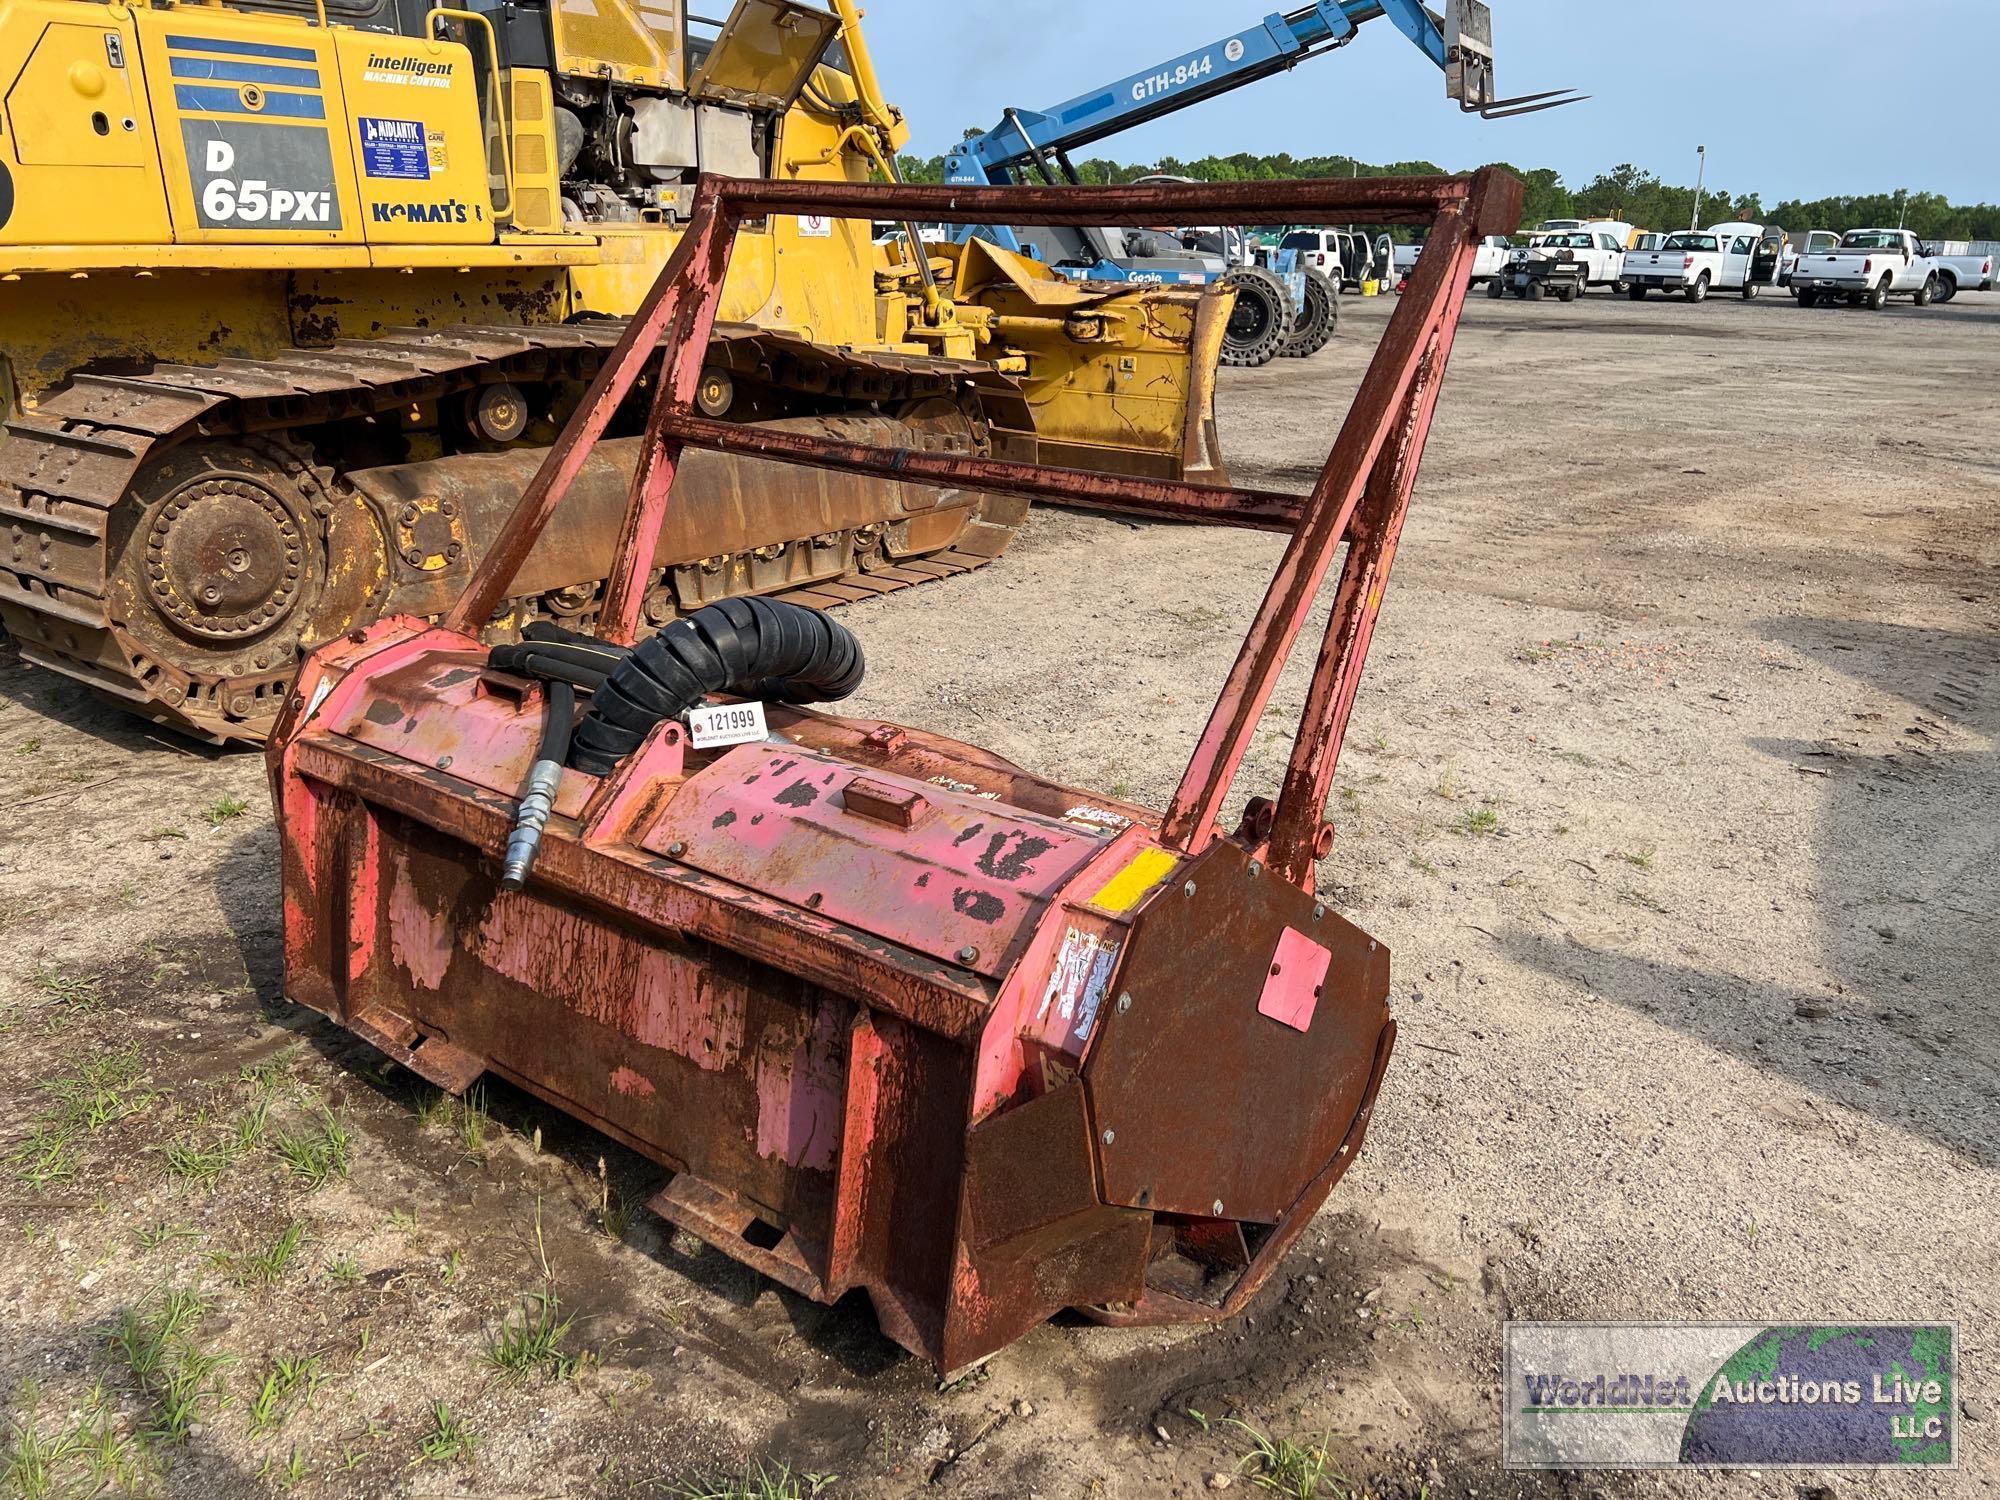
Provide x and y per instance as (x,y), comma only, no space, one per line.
(69,463)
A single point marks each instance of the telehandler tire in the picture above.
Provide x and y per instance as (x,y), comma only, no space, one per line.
(1260,322)
(1318,321)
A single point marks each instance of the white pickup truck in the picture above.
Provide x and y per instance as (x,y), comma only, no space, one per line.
(1958,270)
(1868,266)
(1740,258)
(1487,264)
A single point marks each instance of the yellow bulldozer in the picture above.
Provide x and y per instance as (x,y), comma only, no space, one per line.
(294,297)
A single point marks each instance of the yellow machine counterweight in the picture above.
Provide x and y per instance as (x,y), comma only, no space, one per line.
(289,306)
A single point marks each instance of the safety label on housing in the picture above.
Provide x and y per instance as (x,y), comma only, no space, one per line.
(1730,1395)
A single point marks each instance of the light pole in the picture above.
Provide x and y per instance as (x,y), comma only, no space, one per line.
(1902,206)
(1700,176)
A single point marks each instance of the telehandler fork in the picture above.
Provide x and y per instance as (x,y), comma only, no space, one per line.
(897,1014)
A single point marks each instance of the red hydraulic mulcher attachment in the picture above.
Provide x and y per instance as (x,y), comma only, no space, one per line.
(897,1014)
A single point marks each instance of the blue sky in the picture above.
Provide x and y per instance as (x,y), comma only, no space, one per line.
(1793,98)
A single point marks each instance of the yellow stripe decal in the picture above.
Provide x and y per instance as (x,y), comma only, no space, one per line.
(1124,890)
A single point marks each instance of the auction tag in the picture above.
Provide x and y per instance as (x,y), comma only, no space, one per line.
(716,724)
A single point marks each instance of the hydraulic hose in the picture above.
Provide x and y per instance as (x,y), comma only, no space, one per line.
(539,799)
(549,651)
(752,648)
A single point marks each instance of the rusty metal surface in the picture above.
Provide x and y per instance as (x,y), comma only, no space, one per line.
(731,506)
(181,455)
(1196,1239)
(71,488)
(960,878)
(1381,426)
(1258,510)
(856,1091)
(1367,200)
(1193,1044)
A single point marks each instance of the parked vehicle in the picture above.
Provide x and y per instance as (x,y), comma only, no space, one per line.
(1804,242)
(1491,261)
(1771,256)
(1487,266)
(1958,269)
(1565,263)
(1868,266)
(1338,254)
(1740,258)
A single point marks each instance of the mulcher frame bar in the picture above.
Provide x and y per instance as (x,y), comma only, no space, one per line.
(1361,497)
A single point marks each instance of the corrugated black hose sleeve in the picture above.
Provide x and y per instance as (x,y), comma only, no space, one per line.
(751,648)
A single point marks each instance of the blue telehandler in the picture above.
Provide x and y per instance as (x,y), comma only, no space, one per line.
(1289,308)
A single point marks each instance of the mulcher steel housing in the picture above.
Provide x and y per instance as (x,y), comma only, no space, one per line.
(896,1014)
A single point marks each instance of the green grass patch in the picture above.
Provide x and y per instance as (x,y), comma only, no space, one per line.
(84,1453)
(449,1438)
(472,1122)
(224,810)
(317,1155)
(265,1265)
(343,1270)
(530,1340)
(1477,821)
(180,1381)
(68,991)
(758,1481)
(1300,1470)
(288,1384)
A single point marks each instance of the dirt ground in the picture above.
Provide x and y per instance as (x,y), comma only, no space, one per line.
(1672,790)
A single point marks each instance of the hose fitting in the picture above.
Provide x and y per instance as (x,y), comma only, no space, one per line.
(525,842)
(538,799)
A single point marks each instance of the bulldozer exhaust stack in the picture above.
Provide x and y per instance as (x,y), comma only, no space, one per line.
(894,1013)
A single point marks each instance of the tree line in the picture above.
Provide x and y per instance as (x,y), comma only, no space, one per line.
(1625,192)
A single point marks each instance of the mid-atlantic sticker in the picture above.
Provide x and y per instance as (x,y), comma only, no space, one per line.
(394,148)
(267,177)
